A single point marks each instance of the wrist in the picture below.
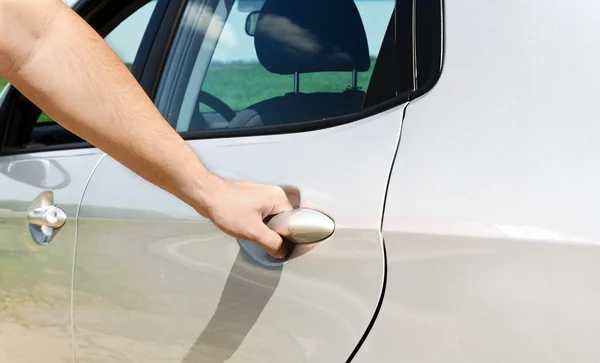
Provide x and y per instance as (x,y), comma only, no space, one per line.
(203,193)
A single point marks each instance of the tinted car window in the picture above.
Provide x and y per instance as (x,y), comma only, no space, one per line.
(302,60)
(235,61)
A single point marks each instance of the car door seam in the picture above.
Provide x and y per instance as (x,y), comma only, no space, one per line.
(384,253)
(75,255)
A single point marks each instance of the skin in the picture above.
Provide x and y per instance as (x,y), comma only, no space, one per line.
(73,78)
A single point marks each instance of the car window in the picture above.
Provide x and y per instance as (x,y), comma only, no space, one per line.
(126,38)
(235,60)
(3,84)
(264,63)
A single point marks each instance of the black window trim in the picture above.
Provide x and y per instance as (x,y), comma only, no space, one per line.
(436,38)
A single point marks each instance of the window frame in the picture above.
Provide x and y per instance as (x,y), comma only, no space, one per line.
(103,16)
(415,20)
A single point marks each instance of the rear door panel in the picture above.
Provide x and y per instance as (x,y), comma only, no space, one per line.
(161,284)
(491,224)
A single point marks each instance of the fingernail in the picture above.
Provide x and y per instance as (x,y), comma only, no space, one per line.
(281,254)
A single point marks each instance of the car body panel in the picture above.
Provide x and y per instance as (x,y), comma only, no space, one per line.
(170,287)
(35,299)
(491,224)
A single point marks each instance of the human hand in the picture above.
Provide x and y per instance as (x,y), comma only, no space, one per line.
(239,208)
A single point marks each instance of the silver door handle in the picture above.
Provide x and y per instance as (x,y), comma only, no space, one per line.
(302,225)
(50,216)
(45,219)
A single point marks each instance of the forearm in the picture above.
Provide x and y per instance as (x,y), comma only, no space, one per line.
(94,95)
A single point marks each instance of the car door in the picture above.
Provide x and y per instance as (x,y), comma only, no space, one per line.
(155,282)
(43,166)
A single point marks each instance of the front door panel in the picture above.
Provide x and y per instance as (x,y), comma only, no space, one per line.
(35,280)
(162,284)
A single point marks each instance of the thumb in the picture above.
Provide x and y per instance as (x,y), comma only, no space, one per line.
(269,240)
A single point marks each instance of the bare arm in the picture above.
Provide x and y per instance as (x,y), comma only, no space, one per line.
(81,83)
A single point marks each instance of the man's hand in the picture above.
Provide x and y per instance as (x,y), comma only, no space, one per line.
(78,80)
(239,209)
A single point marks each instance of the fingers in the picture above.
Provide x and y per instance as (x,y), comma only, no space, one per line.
(282,204)
(269,240)
(264,236)
(246,211)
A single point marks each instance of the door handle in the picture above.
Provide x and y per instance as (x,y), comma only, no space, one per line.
(45,219)
(51,217)
(298,227)
(302,225)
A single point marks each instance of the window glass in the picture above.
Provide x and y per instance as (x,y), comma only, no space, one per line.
(303,60)
(235,60)
(3,84)
(126,38)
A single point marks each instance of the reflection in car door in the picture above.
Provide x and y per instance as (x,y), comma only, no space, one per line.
(35,276)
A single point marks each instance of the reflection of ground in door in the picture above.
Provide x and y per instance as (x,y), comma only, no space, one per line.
(34,296)
(34,343)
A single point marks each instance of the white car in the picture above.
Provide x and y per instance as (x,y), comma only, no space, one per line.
(442,156)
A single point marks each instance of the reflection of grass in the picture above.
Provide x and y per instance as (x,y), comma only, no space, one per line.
(32,275)
(106,271)
(24,263)
(44,118)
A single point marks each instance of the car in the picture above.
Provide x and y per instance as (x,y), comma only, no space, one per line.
(441,157)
